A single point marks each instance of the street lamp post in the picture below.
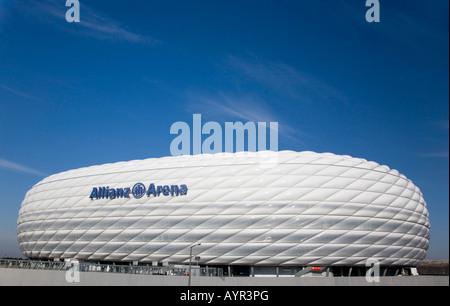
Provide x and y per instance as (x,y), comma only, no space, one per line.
(190,261)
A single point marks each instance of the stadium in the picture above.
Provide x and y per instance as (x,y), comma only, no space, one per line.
(249,213)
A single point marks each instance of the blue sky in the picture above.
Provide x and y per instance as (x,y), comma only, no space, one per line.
(108,89)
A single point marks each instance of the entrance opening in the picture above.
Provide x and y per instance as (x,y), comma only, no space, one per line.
(240,270)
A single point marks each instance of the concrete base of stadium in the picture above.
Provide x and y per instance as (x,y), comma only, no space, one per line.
(26,277)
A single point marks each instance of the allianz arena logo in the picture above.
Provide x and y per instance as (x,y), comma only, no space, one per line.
(138,191)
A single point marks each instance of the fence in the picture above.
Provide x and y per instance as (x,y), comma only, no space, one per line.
(172,270)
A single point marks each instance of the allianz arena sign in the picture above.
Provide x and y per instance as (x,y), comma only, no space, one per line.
(138,191)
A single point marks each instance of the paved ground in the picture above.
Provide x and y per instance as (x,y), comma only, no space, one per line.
(26,277)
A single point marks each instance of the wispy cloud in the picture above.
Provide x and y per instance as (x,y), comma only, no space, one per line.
(92,23)
(245,108)
(442,124)
(19,93)
(284,79)
(442,154)
(20,168)
(443,127)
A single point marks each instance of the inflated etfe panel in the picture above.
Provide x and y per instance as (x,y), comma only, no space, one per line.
(285,208)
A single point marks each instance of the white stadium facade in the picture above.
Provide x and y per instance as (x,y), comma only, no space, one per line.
(246,212)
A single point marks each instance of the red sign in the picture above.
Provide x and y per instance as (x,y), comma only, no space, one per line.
(316,268)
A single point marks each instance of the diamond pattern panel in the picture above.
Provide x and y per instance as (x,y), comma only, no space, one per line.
(284,208)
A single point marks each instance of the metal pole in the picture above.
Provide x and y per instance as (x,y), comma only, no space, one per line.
(190,261)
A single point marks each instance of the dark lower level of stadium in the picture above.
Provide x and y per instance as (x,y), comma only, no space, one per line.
(243,270)
(336,271)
